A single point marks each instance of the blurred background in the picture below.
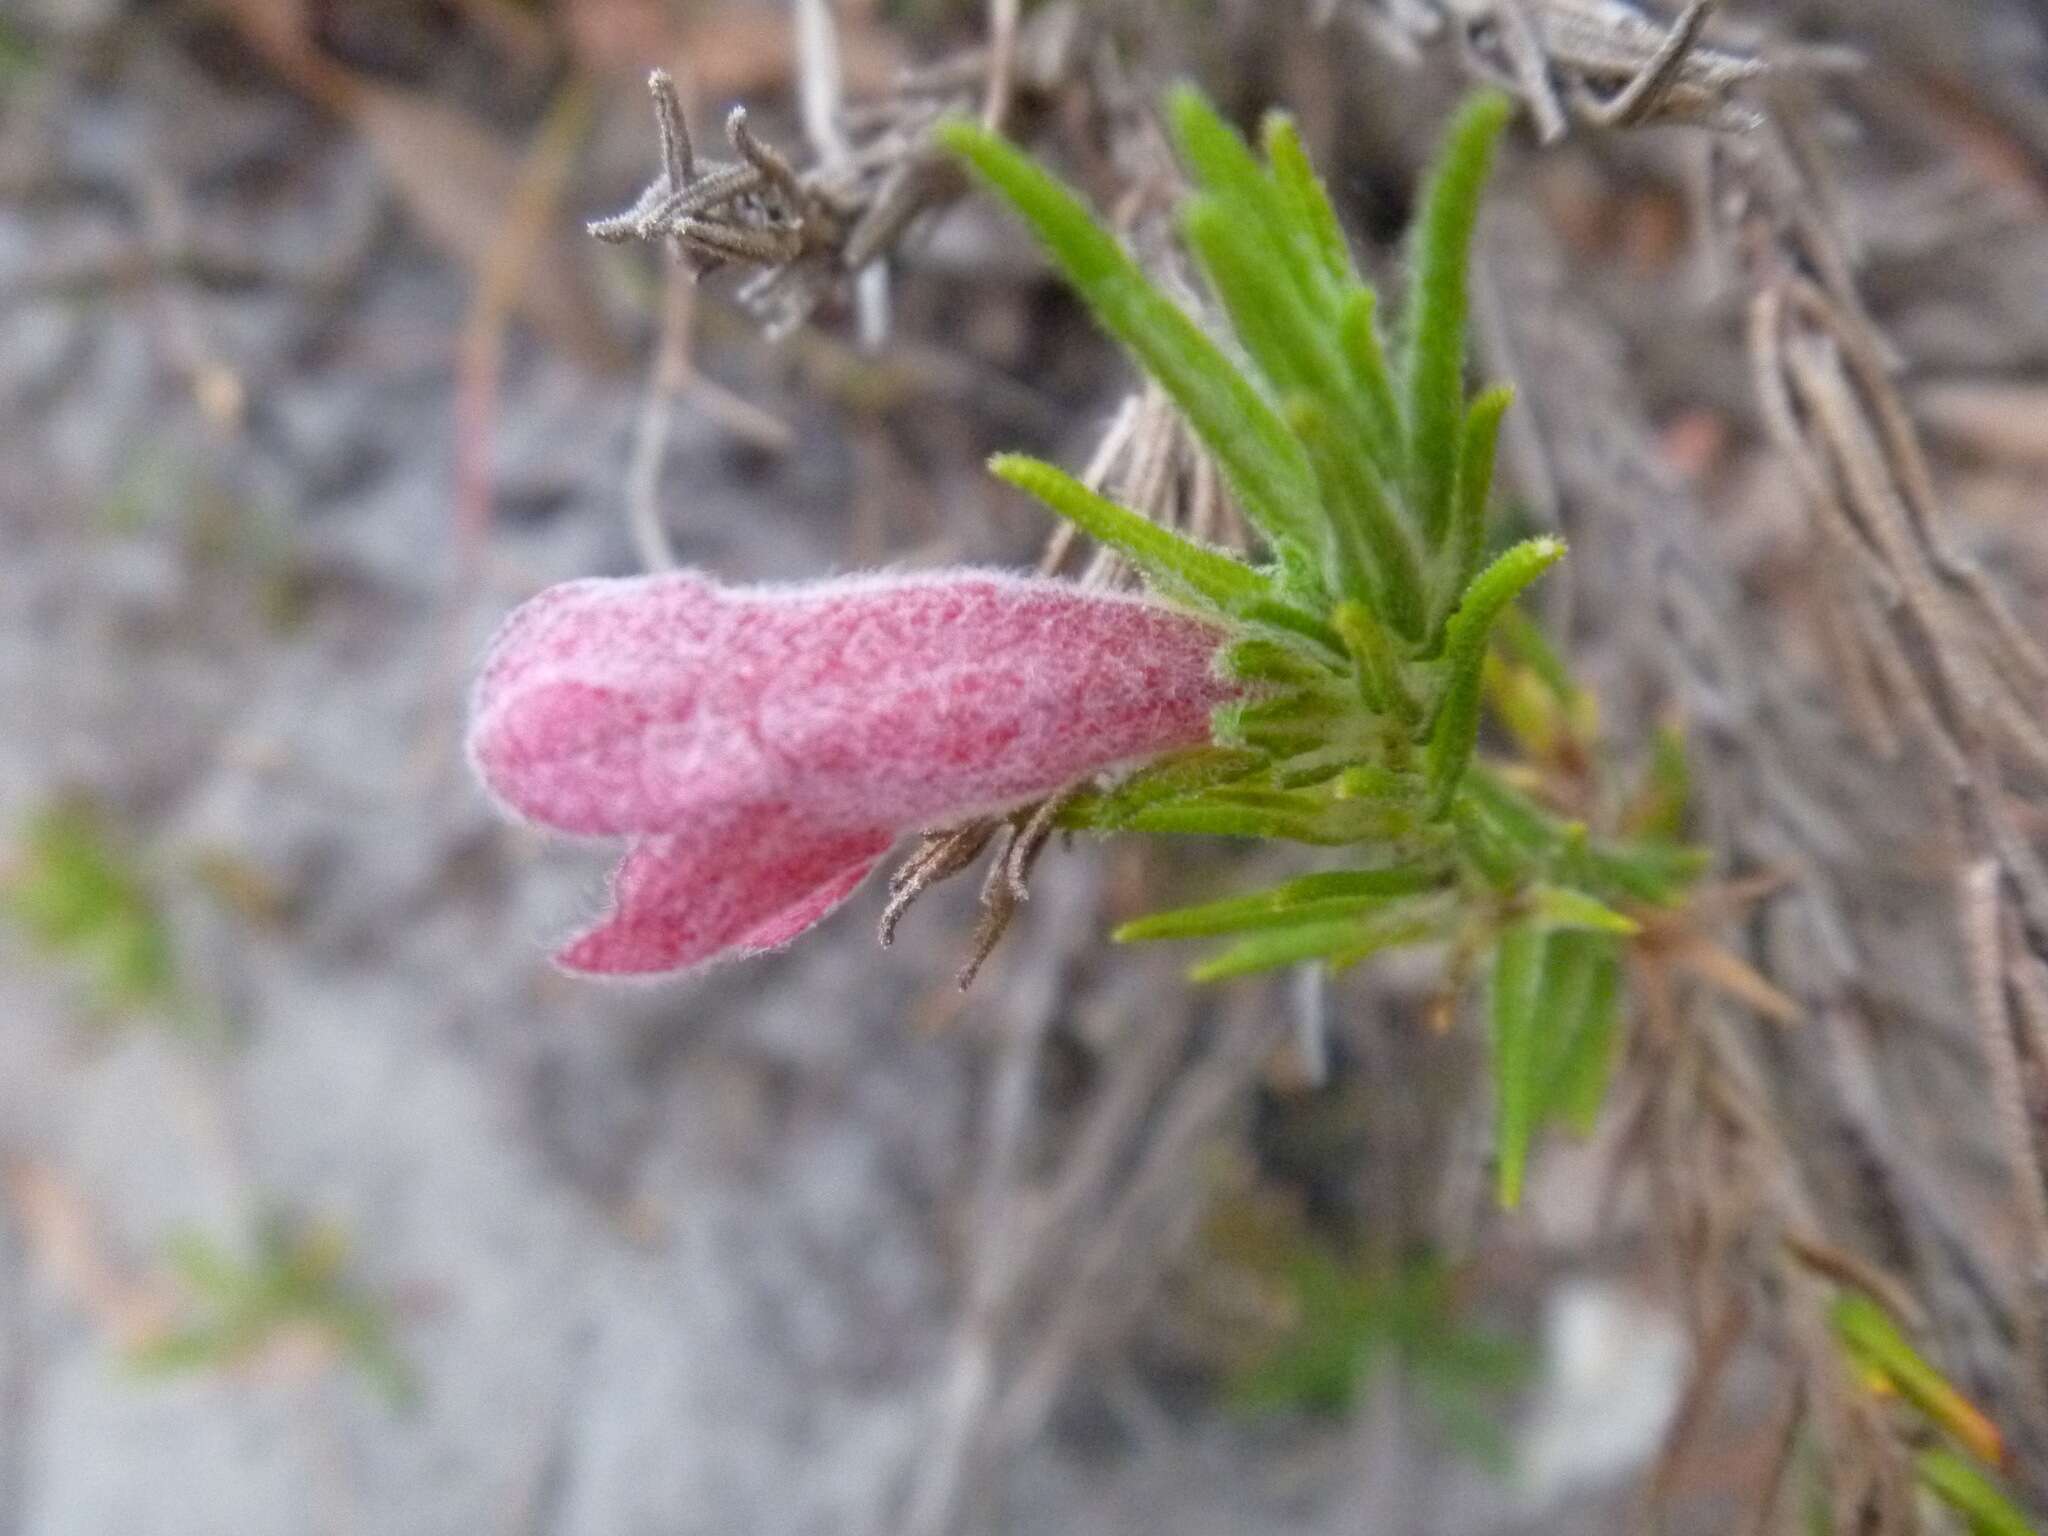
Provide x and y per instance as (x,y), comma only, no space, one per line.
(327,1206)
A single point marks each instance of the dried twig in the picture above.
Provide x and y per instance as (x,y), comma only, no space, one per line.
(1603,63)
(803,233)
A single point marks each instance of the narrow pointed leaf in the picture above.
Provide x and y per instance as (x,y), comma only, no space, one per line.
(1396,928)
(1456,727)
(1970,1493)
(1435,363)
(1306,198)
(1378,666)
(1518,968)
(1173,779)
(1265,661)
(1224,165)
(1657,873)
(1280,331)
(1372,381)
(1558,907)
(1475,482)
(1582,979)
(1177,564)
(1203,818)
(1374,556)
(1261,460)
(1340,944)
(1879,1346)
(1312,898)
(1295,621)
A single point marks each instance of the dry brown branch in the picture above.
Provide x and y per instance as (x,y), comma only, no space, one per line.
(1601,63)
(804,233)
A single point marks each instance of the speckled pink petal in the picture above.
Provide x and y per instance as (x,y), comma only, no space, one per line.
(728,886)
(612,707)
(763,746)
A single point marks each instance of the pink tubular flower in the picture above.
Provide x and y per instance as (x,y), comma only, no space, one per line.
(761,748)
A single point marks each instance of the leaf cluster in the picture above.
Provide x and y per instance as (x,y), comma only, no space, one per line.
(1364,638)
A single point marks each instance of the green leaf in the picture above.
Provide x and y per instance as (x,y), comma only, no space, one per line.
(1274,613)
(1475,481)
(1374,556)
(1584,974)
(1178,565)
(1292,345)
(1224,166)
(1208,818)
(1340,944)
(1378,667)
(1289,724)
(1555,907)
(1307,202)
(1358,335)
(1266,661)
(1435,362)
(1659,811)
(1523,639)
(1518,969)
(1881,1349)
(1269,952)
(1513,816)
(1170,779)
(1971,1494)
(1656,873)
(1456,728)
(1313,898)
(1259,457)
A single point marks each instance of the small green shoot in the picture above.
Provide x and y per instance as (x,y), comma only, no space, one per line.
(83,899)
(292,1285)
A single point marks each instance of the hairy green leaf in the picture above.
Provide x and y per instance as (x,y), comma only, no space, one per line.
(1275,613)
(1266,661)
(1378,666)
(1259,457)
(1435,360)
(1174,778)
(1290,344)
(1456,727)
(1307,201)
(1313,898)
(1178,565)
(1224,166)
(1475,482)
(1211,818)
(1339,944)
(1518,969)
(1372,382)
(1375,558)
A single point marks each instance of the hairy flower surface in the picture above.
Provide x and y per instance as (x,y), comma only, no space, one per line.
(762,747)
